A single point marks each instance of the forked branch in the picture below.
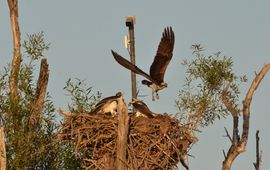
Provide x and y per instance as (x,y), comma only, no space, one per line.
(239,144)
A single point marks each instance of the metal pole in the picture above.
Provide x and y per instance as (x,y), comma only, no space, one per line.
(130,21)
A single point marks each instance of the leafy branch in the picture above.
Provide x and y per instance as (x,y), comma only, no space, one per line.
(200,101)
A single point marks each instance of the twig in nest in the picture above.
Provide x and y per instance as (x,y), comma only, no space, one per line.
(68,114)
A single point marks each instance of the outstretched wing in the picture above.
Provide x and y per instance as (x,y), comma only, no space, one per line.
(163,56)
(125,63)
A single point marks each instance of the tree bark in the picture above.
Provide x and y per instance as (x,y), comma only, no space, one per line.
(40,94)
(239,144)
(257,164)
(3,158)
(123,126)
(16,62)
(15,68)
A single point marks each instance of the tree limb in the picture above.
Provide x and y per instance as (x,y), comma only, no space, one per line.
(240,146)
(14,74)
(40,94)
(227,104)
(228,135)
(224,154)
(123,126)
(235,115)
(248,99)
(16,62)
(257,164)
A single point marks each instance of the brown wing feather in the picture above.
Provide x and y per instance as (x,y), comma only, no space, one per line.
(142,107)
(105,100)
(163,56)
(100,104)
(128,65)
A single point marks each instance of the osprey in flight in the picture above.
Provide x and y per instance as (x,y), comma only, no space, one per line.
(107,105)
(141,108)
(157,70)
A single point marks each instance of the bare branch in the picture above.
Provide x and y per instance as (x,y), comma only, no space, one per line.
(257,164)
(15,68)
(248,99)
(40,94)
(123,126)
(16,62)
(240,146)
(224,154)
(228,135)
(234,113)
(236,136)
(68,114)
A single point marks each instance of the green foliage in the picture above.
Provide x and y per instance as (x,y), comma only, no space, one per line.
(207,78)
(35,45)
(81,98)
(28,147)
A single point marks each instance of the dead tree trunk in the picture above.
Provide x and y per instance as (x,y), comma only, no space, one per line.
(40,94)
(16,62)
(15,68)
(239,143)
(123,126)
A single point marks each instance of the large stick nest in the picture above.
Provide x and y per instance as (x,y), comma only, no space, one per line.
(153,143)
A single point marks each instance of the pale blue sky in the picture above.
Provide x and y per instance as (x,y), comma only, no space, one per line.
(82,33)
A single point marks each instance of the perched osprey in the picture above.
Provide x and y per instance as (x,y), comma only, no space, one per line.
(141,108)
(107,105)
(157,70)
